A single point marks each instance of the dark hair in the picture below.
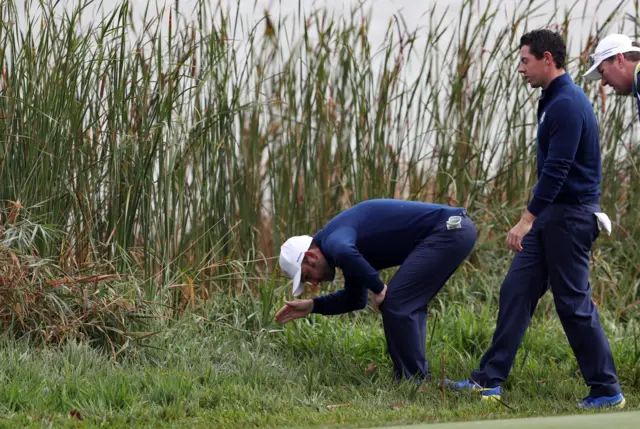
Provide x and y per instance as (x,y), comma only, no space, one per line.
(632,56)
(541,41)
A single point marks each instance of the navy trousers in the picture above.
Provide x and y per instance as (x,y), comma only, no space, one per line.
(419,278)
(556,255)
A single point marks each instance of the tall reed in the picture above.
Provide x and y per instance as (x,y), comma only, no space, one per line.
(188,155)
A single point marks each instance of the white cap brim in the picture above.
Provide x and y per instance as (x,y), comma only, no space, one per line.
(297,288)
(593,73)
(291,257)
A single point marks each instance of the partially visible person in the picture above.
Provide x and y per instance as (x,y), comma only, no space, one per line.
(616,62)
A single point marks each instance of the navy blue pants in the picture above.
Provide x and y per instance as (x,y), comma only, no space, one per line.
(556,255)
(419,278)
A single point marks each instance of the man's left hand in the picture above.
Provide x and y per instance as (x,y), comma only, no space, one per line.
(518,232)
(378,298)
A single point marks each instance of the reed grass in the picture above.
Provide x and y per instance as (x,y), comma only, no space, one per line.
(184,156)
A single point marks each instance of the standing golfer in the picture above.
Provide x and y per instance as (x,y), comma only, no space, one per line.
(554,236)
(617,62)
(428,241)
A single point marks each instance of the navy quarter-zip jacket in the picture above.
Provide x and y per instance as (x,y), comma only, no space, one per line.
(568,148)
(371,236)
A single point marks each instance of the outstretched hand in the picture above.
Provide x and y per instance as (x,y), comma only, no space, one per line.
(293,310)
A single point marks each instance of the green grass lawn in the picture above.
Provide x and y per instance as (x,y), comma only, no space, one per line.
(244,371)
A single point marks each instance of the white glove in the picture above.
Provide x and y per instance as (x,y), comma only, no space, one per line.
(603,222)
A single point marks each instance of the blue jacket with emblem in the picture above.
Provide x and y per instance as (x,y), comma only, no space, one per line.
(371,236)
(568,150)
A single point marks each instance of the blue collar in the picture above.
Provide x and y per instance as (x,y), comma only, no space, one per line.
(635,80)
(557,83)
(635,87)
(318,242)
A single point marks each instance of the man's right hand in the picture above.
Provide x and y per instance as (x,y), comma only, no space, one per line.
(378,299)
(293,310)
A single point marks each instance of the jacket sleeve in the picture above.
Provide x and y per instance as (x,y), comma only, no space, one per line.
(359,275)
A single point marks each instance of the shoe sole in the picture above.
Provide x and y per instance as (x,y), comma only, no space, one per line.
(618,405)
(490,397)
(477,390)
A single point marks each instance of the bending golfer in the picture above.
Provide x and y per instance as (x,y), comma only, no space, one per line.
(428,241)
(554,236)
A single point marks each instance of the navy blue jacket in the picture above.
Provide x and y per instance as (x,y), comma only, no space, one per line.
(371,236)
(635,92)
(569,168)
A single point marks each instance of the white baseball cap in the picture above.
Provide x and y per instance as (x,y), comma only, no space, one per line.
(611,45)
(291,256)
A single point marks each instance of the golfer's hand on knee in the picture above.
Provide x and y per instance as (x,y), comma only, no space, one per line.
(378,298)
(293,310)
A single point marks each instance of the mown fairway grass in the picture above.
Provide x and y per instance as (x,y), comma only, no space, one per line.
(627,420)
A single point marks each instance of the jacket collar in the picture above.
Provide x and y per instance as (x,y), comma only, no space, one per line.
(557,83)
